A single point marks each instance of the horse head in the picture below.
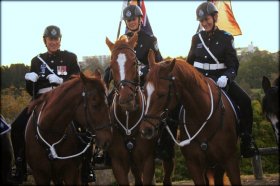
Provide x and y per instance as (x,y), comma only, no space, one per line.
(94,112)
(159,90)
(270,103)
(124,67)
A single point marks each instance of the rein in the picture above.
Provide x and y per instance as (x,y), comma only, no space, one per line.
(53,153)
(164,115)
(128,130)
(190,138)
(136,83)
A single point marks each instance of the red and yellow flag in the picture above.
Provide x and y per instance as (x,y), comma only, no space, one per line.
(226,20)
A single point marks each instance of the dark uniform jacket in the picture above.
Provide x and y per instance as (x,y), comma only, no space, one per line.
(220,43)
(63,63)
(145,42)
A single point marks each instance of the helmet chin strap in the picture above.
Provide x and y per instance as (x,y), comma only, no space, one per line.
(213,28)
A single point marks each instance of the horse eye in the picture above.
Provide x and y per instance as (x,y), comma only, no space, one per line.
(160,95)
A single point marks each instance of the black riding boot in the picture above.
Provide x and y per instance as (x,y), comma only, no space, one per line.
(88,174)
(19,175)
(248,147)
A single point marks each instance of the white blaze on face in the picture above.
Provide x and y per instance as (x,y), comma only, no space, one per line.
(150,88)
(121,61)
(274,120)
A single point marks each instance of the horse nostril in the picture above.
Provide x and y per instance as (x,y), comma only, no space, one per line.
(147,133)
(106,145)
(131,97)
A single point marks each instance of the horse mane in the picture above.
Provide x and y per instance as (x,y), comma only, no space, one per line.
(46,96)
(192,75)
(184,70)
(123,40)
(35,102)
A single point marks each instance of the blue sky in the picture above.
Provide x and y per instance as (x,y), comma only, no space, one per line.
(85,25)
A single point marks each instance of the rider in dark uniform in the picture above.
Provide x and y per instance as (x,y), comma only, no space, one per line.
(144,43)
(132,16)
(48,70)
(223,70)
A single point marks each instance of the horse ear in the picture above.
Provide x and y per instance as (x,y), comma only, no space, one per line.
(109,44)
(133,40)
(151,58)
(83,77)
(97,74)
(265,84)
(172,64)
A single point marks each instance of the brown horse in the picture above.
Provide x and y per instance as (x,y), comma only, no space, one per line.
(209,129)
(128,150)
(63,124)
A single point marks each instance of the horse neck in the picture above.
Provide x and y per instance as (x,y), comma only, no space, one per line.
(195,96)
(60,109)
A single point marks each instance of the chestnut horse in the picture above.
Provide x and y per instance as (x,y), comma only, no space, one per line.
(63,125)
(270,104)
(208,133)
(128,150)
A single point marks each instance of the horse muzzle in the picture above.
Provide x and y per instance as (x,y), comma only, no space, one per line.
(128,105)
(103,139)
(148,132)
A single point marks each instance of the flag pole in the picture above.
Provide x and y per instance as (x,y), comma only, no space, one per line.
(125,2)
(118,34)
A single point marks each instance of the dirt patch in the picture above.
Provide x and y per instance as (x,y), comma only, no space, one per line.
(268,179)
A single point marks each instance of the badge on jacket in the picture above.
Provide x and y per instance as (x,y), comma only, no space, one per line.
(62,70)
(43,70)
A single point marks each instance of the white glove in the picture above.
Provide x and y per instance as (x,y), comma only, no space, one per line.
(31,76)
(54,79)
(222,81)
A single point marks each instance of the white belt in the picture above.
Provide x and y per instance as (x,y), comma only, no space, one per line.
(208,66)
(44,90)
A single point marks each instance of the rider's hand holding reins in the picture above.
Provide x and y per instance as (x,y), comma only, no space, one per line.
(54,79)
(222,81)
(31,76)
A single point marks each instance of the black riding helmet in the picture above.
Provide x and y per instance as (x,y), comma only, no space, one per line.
(132,11)
(52,32)
(205,9)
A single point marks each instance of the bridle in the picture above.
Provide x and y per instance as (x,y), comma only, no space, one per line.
(137,89)
(90,134)
(163,118)
(164,115)
(136,82)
